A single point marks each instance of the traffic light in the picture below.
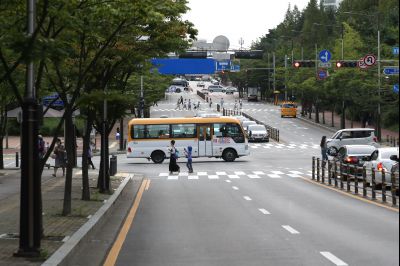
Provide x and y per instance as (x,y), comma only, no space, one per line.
(252,54)
(299,64)
(340,64)
(194,54)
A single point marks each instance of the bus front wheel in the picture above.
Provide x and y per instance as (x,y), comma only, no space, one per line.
(158,157)
(229,155)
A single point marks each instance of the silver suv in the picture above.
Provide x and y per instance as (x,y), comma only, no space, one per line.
(216,88)
(351,136)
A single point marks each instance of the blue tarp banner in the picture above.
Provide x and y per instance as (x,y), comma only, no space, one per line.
(168,66)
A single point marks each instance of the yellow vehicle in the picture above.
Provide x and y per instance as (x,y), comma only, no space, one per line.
(288,109)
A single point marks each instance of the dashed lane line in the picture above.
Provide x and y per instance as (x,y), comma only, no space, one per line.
(264,211)
(290,229)
(335,260)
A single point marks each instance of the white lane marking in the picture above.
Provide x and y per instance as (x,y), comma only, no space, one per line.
(240,173)
(235,188)
(228,181)
(277,172)
(294,175)
(258,172)
(290,229)
(335,260)
(173,177)
(264,211)
(201,173)
(296,172)
(221,173)
(247,198)
(193,177)
(233,176)
(213,177)
(183,174)
(254,176)
(163,174)
(274,176)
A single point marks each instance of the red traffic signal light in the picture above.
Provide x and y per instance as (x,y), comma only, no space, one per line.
(308,63)
(340,64)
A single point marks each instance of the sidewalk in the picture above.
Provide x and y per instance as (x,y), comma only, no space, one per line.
(57,228)
(386,134)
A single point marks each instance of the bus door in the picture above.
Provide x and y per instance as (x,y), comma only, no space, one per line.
(205,141)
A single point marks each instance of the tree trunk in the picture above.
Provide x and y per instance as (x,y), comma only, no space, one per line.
(316,114)
(323,116)
(69,146)
(3,128)
(85,165)
(333,116)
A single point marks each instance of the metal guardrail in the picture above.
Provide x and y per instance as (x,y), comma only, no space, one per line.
(353,179)
(201,95)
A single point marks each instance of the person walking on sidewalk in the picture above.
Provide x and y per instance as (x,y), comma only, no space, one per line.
(90,155)
(173,166)
(210,103)
(222,103)
(60,157)
(324,149)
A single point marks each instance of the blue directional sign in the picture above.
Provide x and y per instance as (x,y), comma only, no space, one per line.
(396,50)
(390,71)
(325,56)
(235,68)
(223,65)
(46,101)
(396,88)
(322,74)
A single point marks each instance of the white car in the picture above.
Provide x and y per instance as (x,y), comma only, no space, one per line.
(380,161)
(258,133)
(247,123)
(351,136)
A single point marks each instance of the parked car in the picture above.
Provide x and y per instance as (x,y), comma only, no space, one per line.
(214,82)
(201,84)
(381,161)
(241,118)
(216,88)
(204,91)
(258,133)
(355,156)
(231,90)
(352,136)
(247,123)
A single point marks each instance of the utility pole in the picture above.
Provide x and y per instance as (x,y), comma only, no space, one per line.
(241,42)
(286,77)
(30,230)
(141,98)
(104,182)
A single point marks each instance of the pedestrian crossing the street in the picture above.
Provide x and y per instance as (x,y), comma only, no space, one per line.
(234,175)
(280,146)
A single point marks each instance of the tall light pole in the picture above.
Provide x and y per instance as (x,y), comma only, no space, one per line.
(30,231)
(377,17)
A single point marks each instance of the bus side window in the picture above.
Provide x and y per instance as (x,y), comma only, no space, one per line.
(138,132)
(234,131)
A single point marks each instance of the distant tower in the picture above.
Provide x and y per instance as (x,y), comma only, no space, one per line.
(331,3)
(241,42)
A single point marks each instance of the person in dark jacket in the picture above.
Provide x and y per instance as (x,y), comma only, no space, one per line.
(324,149)
(173,166)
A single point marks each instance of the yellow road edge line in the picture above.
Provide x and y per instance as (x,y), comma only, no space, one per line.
(351,195)
(148,184)
(116,248)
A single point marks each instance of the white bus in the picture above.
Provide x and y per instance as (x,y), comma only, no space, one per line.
(220,137)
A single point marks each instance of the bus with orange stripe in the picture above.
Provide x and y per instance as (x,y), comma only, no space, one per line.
(219,137)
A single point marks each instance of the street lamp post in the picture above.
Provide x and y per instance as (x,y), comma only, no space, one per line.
(378,119)
(30,206)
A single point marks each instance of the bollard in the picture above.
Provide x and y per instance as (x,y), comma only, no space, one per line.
(17,159)
(383,186)
(323,172)
(335,174)
(356,181)
(373,185)
(341,175)
(364,174)
(393,189)
(349,167)
(330,173)
(313,168)
(318,169)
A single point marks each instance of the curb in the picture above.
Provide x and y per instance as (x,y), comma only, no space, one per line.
(331,129)
(69,249)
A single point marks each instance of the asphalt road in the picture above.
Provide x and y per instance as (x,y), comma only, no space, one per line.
(257,210)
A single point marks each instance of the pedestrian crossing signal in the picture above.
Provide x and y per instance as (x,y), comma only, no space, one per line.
(299,64)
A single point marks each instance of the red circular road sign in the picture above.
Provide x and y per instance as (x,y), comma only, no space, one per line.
(369,60)
(361,64)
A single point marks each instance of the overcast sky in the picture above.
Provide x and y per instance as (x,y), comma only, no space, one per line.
(249,19)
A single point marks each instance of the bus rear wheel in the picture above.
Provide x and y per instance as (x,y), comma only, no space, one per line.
(229,155)
(158,157)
